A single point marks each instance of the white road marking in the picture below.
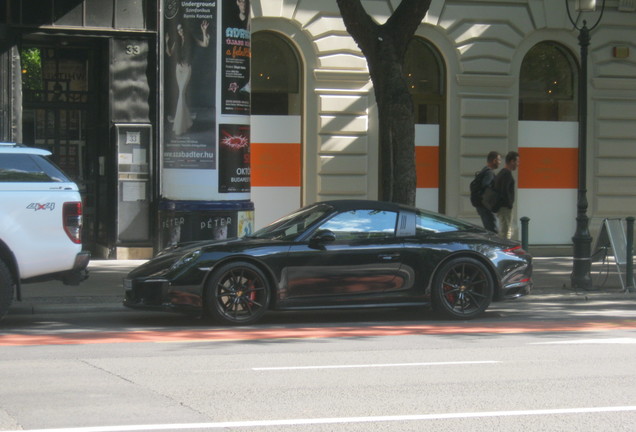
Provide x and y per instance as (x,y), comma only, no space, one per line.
(379,365)
(589,341)
(336,420)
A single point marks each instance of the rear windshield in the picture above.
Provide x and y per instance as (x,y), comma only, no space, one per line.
(29,168)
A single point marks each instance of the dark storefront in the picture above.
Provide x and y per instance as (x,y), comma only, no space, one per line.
(79,77)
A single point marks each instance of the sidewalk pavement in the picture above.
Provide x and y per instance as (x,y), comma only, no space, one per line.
(103,288)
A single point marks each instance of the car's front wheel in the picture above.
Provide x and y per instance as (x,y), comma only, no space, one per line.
(237,293)
(462,288)
(6,289)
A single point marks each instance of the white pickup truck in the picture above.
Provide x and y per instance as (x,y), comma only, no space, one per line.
(40,223)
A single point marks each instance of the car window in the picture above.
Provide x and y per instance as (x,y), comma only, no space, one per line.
(427,223)
(28,168)
(362,224)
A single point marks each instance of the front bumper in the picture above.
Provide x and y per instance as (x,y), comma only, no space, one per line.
(159,294)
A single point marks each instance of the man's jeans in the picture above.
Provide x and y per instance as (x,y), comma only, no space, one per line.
(505,222)
(488,219)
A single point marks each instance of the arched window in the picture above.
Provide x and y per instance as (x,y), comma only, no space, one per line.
(423,67)
(548,84)
(425,70)
(275,76)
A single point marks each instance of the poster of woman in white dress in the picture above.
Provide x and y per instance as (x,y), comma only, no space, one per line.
(189,84)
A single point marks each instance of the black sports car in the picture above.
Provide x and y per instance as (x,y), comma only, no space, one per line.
(337,254)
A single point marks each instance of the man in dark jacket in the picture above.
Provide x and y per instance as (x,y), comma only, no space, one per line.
(505,186)
(488,217)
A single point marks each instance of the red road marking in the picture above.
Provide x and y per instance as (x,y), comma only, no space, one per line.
(220,335)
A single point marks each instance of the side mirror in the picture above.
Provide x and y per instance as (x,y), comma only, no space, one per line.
(321,237)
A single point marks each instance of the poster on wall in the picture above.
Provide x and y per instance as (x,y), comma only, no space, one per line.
(236,57)
(234,158)
(189,84)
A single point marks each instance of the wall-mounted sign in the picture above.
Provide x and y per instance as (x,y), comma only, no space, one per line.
(234,158)
(236,55)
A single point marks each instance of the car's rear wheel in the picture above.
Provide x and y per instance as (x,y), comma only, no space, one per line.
(462,288)
(237,293)
(6,289)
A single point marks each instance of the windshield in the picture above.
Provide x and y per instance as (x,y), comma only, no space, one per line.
(290,226)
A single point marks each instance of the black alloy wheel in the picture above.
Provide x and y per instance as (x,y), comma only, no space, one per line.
(238,293)
(462,288)
(6,289)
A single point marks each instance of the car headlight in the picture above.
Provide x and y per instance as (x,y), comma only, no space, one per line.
(186,259)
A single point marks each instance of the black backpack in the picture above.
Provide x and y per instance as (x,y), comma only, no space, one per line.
(477,187)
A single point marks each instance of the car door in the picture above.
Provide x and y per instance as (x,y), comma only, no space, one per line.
(361,262)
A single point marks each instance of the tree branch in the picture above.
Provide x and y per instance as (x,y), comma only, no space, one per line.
(359,24)
(403,23)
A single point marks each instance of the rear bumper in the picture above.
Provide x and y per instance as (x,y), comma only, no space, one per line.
(517,283)
(73,276)
(79,272)
(516,290)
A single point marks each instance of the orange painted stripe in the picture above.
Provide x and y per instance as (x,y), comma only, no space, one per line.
(427,166)
(548,168)
(275,164)
(222,334)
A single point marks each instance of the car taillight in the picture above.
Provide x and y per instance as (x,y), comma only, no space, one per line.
(516,250)
(72,220)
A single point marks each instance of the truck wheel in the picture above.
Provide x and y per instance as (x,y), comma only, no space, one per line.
(6,289)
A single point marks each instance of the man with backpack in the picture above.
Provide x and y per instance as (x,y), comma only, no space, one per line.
(505,186)
(484,179)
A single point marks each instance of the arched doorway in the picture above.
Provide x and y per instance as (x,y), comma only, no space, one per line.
(548,137)
(425,72)
(276,160)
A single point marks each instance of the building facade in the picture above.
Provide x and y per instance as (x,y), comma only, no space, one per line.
(498,75)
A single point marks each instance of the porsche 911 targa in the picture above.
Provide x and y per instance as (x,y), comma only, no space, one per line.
(336,254)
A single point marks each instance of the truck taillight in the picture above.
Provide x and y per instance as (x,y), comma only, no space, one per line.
(72,219)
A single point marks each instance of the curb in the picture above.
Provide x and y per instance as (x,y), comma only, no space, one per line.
(578,296)
(22,308)
(80,305)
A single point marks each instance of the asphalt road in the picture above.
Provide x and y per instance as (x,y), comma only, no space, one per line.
(554,361)
(536,365)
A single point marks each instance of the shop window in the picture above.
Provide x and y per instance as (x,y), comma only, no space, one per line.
(424,72)
(547,84)
(34,12)
(68,12)
(130,14)
(120,14)
(275,79)
(99,13)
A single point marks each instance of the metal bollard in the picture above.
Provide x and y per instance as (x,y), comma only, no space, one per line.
(525,222)
(630,254)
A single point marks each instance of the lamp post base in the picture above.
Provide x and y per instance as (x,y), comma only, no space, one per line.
(582,265)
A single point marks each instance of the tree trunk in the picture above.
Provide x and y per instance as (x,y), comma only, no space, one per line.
(384,47)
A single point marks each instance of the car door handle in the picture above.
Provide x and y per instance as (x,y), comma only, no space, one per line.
(389,257)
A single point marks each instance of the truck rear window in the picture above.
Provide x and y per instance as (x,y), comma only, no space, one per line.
(29,168)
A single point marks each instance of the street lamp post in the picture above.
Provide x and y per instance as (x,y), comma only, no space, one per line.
(582,240)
